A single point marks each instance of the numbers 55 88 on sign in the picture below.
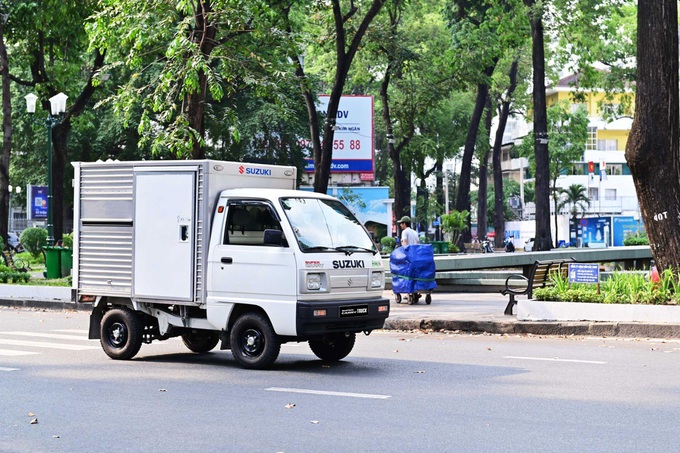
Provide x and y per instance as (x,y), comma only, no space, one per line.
(338,144)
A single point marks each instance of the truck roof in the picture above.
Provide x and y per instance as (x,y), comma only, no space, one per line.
(273,193)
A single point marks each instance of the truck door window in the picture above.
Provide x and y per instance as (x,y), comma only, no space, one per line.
(246,223)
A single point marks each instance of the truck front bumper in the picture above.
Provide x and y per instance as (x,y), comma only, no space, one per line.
(356,315)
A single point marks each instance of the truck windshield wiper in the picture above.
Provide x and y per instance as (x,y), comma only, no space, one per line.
(349,249)
(317,248)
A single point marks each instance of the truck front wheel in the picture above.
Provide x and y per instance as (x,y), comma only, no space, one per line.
(121,333)
(254,343)
(200,340)
(333,347)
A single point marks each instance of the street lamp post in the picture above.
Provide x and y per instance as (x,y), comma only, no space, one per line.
(57,107)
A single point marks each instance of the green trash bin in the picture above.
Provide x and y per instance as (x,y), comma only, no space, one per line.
(66,259)
(436,246)
(52,262)
(444,246)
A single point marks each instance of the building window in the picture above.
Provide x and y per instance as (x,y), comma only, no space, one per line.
(610,110)
(615,169)
(591,143)
(610,194)
(594,193)
(608,145)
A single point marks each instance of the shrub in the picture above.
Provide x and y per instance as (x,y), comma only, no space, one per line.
(67,239)
(639,238)
(388,243)
(33,240)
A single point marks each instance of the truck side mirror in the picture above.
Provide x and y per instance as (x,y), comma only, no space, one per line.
(273,237)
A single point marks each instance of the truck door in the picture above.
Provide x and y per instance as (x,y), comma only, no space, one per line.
(164,219)
(247,270)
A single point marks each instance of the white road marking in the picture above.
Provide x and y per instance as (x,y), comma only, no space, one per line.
(328,393)
(40,344)
(11,353)
(80,331)
(555,359)
(8,369)
(55,336)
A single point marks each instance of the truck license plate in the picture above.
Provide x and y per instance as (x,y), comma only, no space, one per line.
(354,310)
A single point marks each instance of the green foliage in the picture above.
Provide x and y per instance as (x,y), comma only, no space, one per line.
(33,240)
(454,224)
(67,239)
(639,238)
(388,243)
(619,288)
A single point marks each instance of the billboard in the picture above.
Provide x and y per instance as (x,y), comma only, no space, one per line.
(625,225)
(37,202)
(354,137)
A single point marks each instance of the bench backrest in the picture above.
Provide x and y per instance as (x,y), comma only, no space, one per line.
(542,271)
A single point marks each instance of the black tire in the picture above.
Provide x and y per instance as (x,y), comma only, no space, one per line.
(397,298)
(201,341)
(254,343)
(428,299)
(333,347)
(121,333)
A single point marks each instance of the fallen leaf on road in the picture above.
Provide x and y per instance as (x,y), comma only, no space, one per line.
(420,372)
(290,405)
(56,436)
(162,390)
(488,349)
(315,422)
(31,414)
(34,421)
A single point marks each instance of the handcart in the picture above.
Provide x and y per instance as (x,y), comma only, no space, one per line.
(413,273)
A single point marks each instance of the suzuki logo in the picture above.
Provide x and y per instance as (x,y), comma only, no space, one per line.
(349,282)
(241,169)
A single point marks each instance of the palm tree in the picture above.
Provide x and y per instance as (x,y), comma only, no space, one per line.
(575,197)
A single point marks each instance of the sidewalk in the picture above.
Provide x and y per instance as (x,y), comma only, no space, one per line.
(466,312)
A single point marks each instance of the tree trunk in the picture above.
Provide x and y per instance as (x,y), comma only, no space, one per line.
(6,135)
(499,201)
(483,181)
(543,240)
(653,149)
(464,180)
(344,58)
(402,183)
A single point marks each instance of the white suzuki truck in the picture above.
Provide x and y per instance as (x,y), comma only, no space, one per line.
(220,252)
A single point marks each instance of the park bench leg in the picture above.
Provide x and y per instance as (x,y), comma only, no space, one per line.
(508,309)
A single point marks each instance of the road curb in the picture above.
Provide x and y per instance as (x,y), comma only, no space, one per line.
(44,304)
(598,329)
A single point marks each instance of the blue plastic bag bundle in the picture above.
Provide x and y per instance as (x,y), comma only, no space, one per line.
(412,269)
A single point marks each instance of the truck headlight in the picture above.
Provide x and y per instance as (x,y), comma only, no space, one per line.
(313,282)
(376,279)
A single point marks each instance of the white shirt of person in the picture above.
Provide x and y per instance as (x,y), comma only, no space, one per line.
(409,237)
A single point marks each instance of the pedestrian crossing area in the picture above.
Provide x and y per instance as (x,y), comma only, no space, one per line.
(24,343)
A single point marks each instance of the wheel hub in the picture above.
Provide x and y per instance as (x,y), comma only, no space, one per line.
(118,334)
(253,342)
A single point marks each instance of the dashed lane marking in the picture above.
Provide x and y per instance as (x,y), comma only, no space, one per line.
(40,344)
(555,359)
(328,393)
(54,336)
(12,353)
(8,369)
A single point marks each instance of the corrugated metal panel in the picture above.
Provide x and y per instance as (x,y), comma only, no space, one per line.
(106,193)
(105,259)
(201,256)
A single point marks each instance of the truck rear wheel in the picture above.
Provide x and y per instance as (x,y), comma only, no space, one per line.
(121,333)
(254,343)
(200,340)
(333,347)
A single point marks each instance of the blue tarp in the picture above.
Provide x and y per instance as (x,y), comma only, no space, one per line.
(412,269)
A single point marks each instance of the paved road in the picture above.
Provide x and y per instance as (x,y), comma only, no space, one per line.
(398,391)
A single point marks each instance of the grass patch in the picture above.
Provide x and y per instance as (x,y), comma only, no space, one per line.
(620,288)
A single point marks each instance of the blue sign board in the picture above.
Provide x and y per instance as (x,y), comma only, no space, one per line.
(623,226)
(584,273)
(37,198)
(595,230)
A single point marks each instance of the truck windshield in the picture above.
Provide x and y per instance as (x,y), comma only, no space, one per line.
(326,225)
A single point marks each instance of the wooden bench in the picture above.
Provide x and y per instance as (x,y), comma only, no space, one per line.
(473,247)
(539,277)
